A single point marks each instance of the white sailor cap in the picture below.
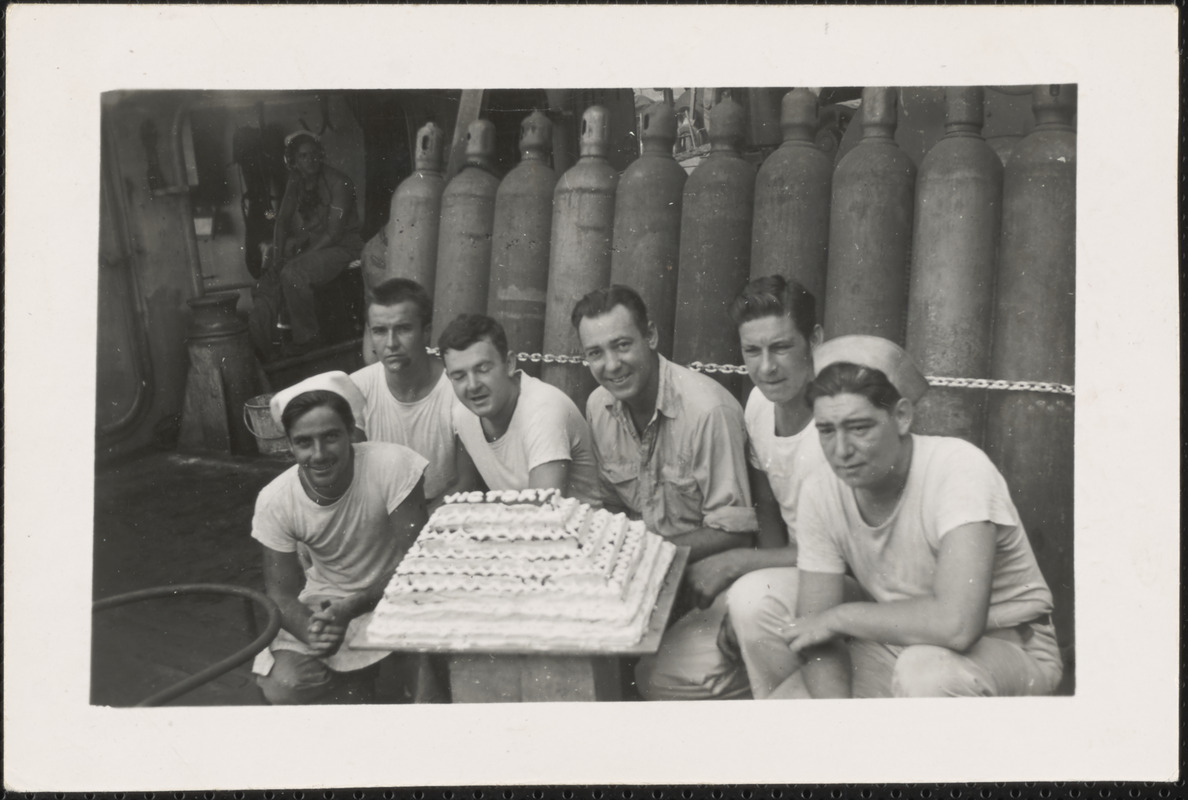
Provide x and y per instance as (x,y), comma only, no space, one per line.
(877,353)
(337,382)
(300,133)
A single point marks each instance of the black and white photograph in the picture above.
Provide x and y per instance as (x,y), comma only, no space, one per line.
(474,391)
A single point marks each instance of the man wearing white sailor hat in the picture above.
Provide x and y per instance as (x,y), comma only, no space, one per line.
(954,602)
(350,512)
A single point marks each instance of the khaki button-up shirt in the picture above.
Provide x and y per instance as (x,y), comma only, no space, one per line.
(689,462)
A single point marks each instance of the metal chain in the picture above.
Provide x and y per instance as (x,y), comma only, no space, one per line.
(732,369)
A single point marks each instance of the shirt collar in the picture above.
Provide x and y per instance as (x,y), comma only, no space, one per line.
(668,399)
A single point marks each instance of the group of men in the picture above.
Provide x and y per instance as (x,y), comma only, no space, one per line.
(832,552)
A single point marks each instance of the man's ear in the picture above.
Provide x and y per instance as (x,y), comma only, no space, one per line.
(818,336)
(653,336)
(904,412)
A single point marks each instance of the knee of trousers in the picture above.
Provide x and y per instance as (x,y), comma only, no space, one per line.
(645,675)
(292,277)
(654,681)
(754,600)
(295,682)
(931,671)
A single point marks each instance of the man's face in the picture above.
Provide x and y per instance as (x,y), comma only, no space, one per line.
(398,335)
(321,444)
(482,379)
(308,158)
(863,443)
(778,357)
(622,357)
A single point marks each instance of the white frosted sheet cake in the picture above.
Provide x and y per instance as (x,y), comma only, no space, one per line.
(528,569)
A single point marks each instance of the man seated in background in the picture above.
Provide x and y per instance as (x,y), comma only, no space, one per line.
(956,604)
(408,399)
(516,432)
(316,236)
(353,510)
(671,447)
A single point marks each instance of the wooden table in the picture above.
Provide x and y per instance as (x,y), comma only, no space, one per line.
(513,675)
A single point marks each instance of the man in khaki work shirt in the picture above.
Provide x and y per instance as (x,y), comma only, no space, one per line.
(671,448)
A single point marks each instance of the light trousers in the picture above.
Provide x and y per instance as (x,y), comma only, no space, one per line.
(303,679)
(1008,662)
(689,664)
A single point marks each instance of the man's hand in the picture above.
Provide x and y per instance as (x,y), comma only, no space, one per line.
(711,576)
(327,626)
(806,632)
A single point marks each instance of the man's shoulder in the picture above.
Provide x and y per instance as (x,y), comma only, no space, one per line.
(701,395)
(276,489)
(945,452)
(541,395)
(335,175)
(368,378)
(599,402)
(373,452)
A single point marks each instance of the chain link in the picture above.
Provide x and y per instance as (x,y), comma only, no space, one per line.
(733,369)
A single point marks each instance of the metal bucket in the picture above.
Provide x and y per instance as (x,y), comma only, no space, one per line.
(257,416)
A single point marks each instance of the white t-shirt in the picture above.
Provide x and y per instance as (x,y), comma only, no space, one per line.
(950,483)
(426,426)
(349,544)
(787,460)
(546,426)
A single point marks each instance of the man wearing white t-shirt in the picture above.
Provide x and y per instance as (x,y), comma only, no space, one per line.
(349,512)
(515,431)
(778,330)
(408,398)
(955,601)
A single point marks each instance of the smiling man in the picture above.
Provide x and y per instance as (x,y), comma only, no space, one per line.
(408,399)
(956,602)
(332,530)
(516,432)
(671,446)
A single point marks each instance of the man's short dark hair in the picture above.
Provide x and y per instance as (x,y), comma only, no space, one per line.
(468,329)
(401,290)
(305,402)
(776,296)
(844,378)
(603,301)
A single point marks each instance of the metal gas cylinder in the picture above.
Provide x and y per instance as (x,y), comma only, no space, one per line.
(416,211)
(715,246)
(954,254)
(870,228)
(790,235)
(464,236)
(520,245)
(1029,434)
(647,236)
(580,253)
(223,375)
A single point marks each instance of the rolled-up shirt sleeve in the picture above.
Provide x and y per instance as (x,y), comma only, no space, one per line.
(816,542)
(721,471)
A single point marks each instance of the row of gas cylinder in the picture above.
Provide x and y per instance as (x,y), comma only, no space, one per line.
(969,265)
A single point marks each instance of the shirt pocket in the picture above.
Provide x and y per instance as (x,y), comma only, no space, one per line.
(681,496)
(623,478)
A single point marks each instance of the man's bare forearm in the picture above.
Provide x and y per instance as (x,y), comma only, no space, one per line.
(708,541)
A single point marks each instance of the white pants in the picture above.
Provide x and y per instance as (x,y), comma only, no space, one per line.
(1010,662)
(689,664)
